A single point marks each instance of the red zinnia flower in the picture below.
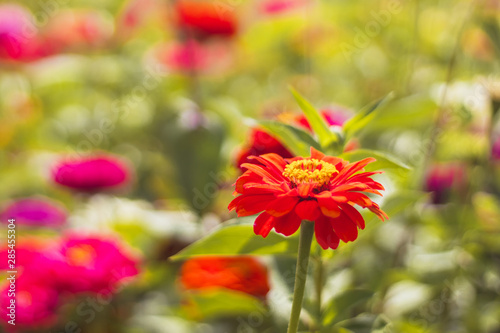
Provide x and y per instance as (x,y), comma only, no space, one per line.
(204,18)
(243,274)
(321,189)
(90,174)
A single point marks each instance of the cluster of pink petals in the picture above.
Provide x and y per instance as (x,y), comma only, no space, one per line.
(22,39)
(193,56)
(444,178)
(75,264)
(18,36)
(35,211)
(92,174)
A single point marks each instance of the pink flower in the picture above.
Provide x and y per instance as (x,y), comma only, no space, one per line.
(35,211)
(92,174)
(193,56)
(280,6)
(94,264)
(443,179)
(495,150)
(36,303)
(71,30)
(19,39)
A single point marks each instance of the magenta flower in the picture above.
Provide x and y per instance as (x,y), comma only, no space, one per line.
(19,39)
(36,303)
(192,55)
(443,179)
(92,174)
(94,264)
(495,150)
(36,211)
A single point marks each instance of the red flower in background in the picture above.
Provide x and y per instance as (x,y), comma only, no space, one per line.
(244,274)
(192,56)
(263,143)
(205,18)
(321,189)
(91,174)
(94,263)
(36,211)
(19,39)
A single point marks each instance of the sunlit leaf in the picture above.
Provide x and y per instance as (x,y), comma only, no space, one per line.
(237,239)
(208,304)
(384,160)
(295,139)
(340,307)
(363,117)
(318,124)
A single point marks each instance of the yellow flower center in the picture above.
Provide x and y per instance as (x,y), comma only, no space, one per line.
(309,171)
(81,255)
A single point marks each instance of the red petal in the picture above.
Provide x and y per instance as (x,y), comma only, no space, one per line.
(308,210)
(354,215)
(288,224)
(263,224)
(305,189)
(283,204)
(262,172)
(316,154)
(250,204)
(328,205)
(344,228)
(325,236)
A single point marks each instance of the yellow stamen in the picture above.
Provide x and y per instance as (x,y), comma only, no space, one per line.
(309,171)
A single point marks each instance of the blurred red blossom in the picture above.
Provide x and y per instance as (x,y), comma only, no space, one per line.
(92,173)
(245,274)
(203,19)
(71,30)
(19,37)
(321,189)
(192,56)
(280,6)
(262,142)
(35,211)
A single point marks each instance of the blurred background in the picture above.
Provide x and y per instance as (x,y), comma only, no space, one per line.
(123,125)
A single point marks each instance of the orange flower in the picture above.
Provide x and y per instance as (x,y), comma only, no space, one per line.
(243,274)
(321,189)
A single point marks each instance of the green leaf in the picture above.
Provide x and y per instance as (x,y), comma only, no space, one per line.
(209,304)
(236,239)
(367,323)
(295,139)
(364,117)
(340,307)
(318,124)
(384,160)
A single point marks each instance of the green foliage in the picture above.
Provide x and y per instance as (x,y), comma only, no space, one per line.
(239,239)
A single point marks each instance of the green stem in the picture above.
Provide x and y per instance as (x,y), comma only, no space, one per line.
(306,234)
